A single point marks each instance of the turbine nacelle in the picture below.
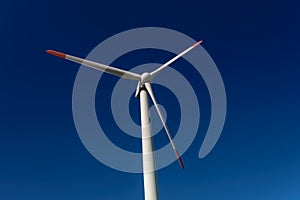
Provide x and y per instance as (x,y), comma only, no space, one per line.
(145,78)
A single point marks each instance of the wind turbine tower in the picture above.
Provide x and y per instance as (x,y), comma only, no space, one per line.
(143,89)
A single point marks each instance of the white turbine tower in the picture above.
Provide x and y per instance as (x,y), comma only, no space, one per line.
(143,87)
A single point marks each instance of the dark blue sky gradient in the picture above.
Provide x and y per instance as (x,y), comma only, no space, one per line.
(255,45)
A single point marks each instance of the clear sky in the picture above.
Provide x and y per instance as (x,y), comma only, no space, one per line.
(255,45)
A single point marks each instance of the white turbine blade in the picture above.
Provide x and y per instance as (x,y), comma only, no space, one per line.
(155,72)
(98,66)
(149,89)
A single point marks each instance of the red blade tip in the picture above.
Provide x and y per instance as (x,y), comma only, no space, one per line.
(197,43)
(56,53)
(181,163)
(179,159)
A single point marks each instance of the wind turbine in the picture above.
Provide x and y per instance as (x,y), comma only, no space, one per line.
(143,89)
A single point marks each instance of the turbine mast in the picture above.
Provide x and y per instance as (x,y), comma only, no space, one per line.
(150,182)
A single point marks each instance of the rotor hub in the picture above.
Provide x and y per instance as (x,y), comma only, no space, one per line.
(146,78)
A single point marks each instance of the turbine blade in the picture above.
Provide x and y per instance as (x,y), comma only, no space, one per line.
(149,89)
(98,66)
(155,72)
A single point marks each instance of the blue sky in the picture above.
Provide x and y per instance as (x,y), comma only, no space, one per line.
(256,48)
